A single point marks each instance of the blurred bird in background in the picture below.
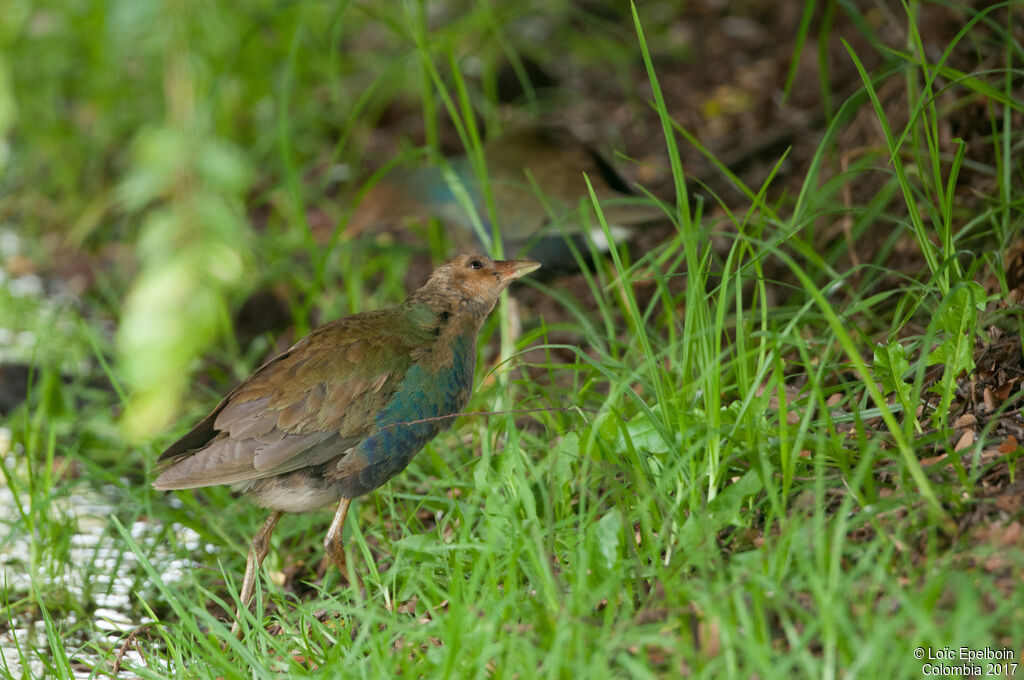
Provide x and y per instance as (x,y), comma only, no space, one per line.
(536,179)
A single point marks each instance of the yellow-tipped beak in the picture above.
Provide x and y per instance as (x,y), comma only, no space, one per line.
(513,269)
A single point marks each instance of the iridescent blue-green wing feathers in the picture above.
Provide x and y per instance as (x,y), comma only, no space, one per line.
(301,409)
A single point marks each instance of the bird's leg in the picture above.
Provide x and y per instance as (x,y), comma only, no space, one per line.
(332,541)
(257,553)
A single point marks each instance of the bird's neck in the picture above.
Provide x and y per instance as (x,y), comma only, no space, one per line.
(448,338)
(445,316)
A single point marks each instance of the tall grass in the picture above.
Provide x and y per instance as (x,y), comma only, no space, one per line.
(720,474)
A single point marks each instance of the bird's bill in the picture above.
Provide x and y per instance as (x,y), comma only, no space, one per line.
(513,269)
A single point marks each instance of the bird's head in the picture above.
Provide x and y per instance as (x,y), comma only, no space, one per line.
(472,282)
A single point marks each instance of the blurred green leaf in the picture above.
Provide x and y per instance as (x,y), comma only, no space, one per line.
(187,188)
(956,322)
(608,535)
(890,365)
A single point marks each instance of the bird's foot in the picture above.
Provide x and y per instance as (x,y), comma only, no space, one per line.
(257,553)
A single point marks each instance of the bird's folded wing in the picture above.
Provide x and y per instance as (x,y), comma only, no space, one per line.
(301,409)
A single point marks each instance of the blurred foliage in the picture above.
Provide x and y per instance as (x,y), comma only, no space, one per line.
(192,246)
(14,16)
(715,476)
(147,128)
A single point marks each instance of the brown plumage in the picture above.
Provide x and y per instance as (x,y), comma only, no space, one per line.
(347,407)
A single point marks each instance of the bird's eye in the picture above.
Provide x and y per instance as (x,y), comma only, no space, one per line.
(476,264)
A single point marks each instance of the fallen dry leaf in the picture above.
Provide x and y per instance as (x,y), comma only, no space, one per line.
(1009,445)
(966,420)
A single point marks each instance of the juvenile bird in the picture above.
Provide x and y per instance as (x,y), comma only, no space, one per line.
(347,407)
(552,158)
